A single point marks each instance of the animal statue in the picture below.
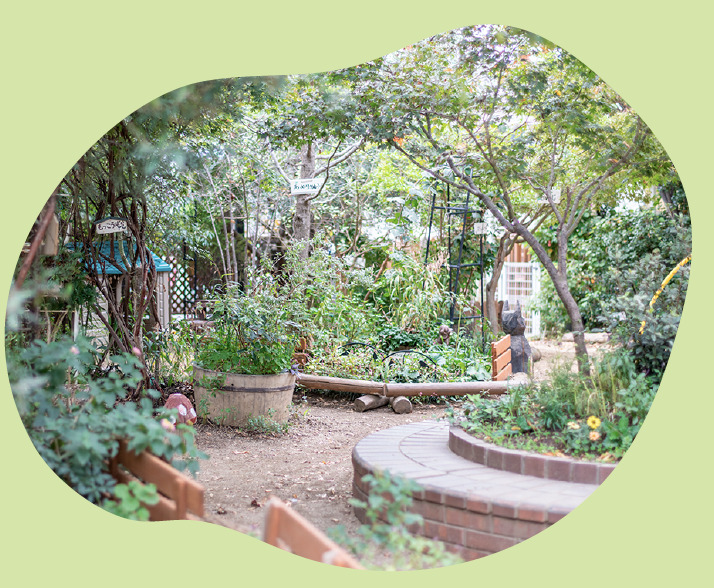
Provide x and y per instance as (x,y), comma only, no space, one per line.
(444,335)
(515,325)
(186,412)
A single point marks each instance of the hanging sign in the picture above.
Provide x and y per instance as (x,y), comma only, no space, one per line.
(554,196)
(111,225)
(310,186)
(479,228)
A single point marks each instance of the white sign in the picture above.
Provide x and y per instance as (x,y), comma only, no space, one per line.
(554,196)
(111,225)
(311,186)
(479,228)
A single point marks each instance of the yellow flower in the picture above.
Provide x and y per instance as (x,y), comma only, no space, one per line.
(594,436)
(573,426)
(593,422)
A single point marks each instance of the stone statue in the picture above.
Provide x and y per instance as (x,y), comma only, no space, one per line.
(515,325)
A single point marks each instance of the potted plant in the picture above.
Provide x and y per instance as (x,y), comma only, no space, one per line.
(242,366)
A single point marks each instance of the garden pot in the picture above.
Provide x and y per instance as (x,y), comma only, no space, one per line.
(231,399)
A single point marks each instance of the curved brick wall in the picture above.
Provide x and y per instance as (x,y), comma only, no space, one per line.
(474,509)
(563,469)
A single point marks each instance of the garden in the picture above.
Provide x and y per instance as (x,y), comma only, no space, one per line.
(235,240)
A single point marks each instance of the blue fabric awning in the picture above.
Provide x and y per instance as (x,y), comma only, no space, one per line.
(115,264)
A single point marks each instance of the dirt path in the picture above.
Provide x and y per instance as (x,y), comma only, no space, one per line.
(311,465)
(557,353)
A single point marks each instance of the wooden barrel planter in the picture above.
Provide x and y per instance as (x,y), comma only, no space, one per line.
(230,399)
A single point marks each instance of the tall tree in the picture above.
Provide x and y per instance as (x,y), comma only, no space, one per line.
(316,124)
(521,125)
(115,177)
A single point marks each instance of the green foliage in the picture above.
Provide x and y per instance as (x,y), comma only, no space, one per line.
(252,333)
(76,419)
(169,353)
(616,262)
(265,425)
(387,531)
(459,361)
(585,416)
(356,363)
(129,500)
(412,294)
(324,293)
(391,338)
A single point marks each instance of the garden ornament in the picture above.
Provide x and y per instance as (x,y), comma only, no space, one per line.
(515,325)
(186,412)
(444,335)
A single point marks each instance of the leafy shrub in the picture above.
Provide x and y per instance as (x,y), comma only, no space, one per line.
(410,293)
(390,338)
(75,421)
(387,529)
(252,334)
(624,316)
(616,262)
(586,416)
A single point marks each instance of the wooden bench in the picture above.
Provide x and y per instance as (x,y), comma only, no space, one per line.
(287,530)
(180,497)
(501,359)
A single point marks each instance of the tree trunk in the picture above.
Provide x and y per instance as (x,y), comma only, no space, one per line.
(571,307)
(504,248)
(302,220)
(559,277)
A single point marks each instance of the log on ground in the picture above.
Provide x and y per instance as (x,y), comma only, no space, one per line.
(400,404)
(399,389)
(370,401)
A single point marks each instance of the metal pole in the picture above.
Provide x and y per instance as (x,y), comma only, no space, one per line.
(483,313)
(431,219)
(461,250)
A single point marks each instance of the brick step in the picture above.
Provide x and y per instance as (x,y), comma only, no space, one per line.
(474,509)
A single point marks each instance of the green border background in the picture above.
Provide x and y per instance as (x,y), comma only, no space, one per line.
(72,69)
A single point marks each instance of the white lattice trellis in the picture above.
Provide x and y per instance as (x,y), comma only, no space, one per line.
(520,283)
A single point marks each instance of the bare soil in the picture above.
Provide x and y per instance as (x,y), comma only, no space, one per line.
(310,466)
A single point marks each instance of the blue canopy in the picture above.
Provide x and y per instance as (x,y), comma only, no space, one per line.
(114,267)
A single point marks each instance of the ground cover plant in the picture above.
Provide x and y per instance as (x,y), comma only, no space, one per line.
(460,360)
(590,417)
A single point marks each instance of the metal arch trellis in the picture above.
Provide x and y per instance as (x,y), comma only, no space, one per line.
(388,358)
(455,266)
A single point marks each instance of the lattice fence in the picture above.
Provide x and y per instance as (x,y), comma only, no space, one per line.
(520,283)
(182,293)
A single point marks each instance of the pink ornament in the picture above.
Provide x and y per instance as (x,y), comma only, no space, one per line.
(186,412)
